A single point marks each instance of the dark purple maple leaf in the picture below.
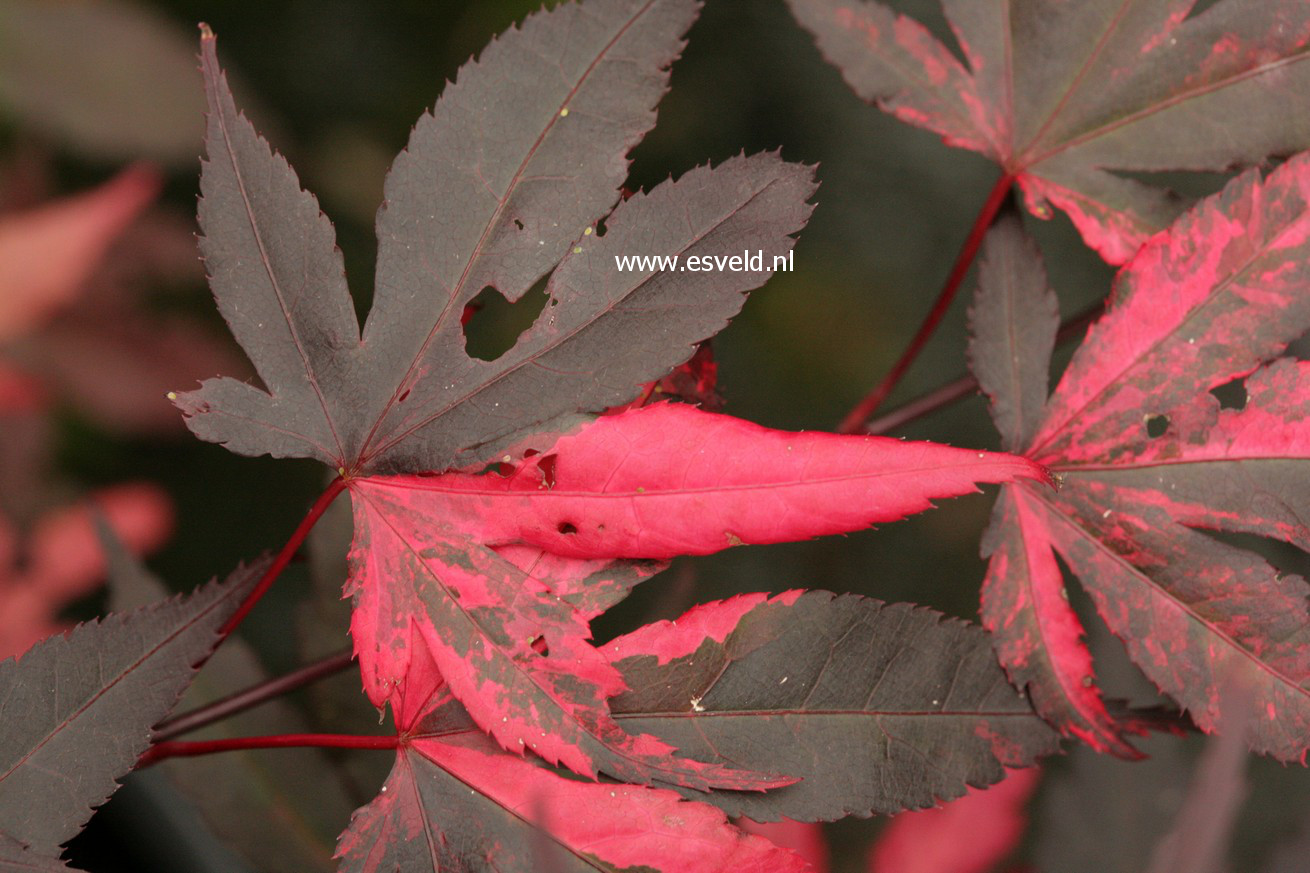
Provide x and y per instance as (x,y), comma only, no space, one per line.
(1067,97)
(61,752)
(17,857)
(1149,460)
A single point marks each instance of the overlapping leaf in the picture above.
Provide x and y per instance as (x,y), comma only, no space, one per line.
(880,708)
(455,801)
(1069,97)
(1149,460)
(491,579)
(649,483)
(492,810)
(76,710)
(507,178)
(972,834)
(814,680)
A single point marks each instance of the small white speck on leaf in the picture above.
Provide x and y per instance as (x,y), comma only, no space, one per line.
(564,113)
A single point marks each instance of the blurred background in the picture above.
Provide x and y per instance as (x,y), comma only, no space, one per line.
(103,309)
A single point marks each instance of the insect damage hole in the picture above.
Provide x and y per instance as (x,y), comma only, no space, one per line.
(567,527)
(1156,425)
(493,324)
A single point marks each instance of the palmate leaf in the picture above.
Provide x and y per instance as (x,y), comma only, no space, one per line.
(649,483)
(493,578)
(881,708)
(1149,459)
(1066,97)
(76,710)
(463,805)
(507,178)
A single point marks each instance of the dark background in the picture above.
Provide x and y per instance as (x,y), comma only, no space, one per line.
(335,85)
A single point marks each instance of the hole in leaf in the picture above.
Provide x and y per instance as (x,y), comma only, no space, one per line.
(494,324)
(1231,395)
(1156,425)
(600,226)
(1188,183)
(567,527)
(1285,558)
(1200,7)
(539,646)
(518,224)
(547,467)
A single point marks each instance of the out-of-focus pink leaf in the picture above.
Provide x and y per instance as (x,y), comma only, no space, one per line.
(804,838)
(64,558)
(47,254)
(969,835)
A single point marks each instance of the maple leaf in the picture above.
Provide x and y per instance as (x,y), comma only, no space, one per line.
(61,753)
(798,675)
(1068,97)
(48,254)
(655,482)
(1149,460)
(61,560)
(497,577)
(506,180)
(456,801)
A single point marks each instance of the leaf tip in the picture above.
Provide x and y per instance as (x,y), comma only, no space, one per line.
(206,32)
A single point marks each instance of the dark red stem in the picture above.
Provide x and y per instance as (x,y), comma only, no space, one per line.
(184,749)
(284,557)
(966,385)
(242,700)
(855,420)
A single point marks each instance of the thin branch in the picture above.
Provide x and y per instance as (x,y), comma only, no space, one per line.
(183,749)
(252,697)
(966,385)
(288,552)
(854,422)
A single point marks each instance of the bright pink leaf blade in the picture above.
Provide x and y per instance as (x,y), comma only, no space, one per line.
(670,480)
(969,835)
(47,255)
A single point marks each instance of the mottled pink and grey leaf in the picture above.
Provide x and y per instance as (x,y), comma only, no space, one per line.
(1066,97)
